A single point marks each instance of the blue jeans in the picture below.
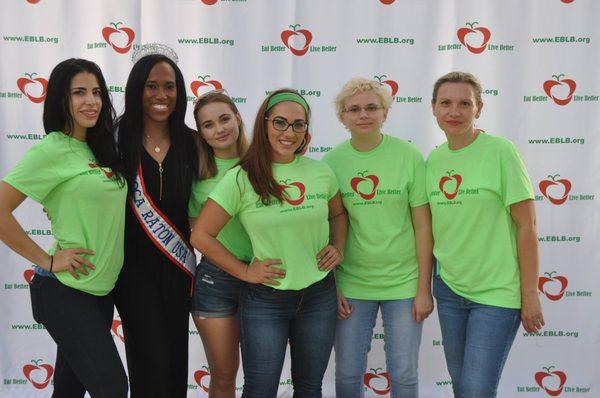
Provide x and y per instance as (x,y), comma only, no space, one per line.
(269,318)
(476,338)
(402,338)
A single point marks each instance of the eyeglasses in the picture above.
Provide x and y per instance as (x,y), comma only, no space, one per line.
(356,110)
(280,124)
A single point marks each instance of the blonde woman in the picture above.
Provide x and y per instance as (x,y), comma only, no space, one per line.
(388,260)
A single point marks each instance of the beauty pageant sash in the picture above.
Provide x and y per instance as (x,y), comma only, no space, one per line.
(161,231)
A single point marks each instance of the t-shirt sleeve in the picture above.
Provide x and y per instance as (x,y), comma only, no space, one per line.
(417,194)
(333,186)
(228,192)
(35,175)
(196,200)
(516,185)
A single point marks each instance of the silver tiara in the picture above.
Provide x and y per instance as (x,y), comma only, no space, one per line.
(154,48)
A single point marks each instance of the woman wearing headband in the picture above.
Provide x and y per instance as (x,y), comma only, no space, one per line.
(291,208)
(388,252)
(75,173)
(221,142)
(485,240)
(153,291)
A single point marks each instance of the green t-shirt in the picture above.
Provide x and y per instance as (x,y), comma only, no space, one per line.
(85,204)
(378,189)
(470,192)
(233,236)
(294,231)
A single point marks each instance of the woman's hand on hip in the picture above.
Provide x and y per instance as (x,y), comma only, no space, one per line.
(71,261)
(263,272)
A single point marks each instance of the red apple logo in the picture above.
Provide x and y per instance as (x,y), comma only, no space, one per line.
(364,177)
(202,82)
(24,81)
(548,278)
(373,380)
(287,34)
(299,198)
(562,378)
(545,184)
(463,32)
(201,374)
(32,370)
(549,84)
(209,2)
(108,31)
(28,275)
(117,329)
(387,1)
(393,85)
(33,1)
(108,174)
(567,1)
(450,177)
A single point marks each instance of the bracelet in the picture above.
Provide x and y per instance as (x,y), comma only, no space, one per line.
(51,263)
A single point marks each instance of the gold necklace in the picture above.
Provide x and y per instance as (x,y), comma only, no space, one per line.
(156,146)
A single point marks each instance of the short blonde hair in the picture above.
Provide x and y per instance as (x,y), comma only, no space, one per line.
(361,85)
(458,77)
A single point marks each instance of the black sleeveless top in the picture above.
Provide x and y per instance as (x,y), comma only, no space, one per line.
(140,252)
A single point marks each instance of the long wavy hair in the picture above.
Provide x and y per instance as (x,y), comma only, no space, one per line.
(206,154)
(57,112)
(258,161)
(131,125)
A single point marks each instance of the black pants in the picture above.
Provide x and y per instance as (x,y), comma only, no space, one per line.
(154,307)
(79,323)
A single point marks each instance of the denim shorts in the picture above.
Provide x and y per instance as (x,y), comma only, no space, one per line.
(216,293)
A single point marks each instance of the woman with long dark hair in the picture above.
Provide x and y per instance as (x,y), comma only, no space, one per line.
(221,142)
(76,174)
(292,211)
(161,163)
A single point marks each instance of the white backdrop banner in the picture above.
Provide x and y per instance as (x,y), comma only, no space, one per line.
(539,61)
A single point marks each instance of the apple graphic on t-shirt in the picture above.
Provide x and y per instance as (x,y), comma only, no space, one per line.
(551,280)
(107,174)
(297,190)
(450,177)
(545,184)
(32,373)
(364,192)
(374,380)
(201,374)
(562,378)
